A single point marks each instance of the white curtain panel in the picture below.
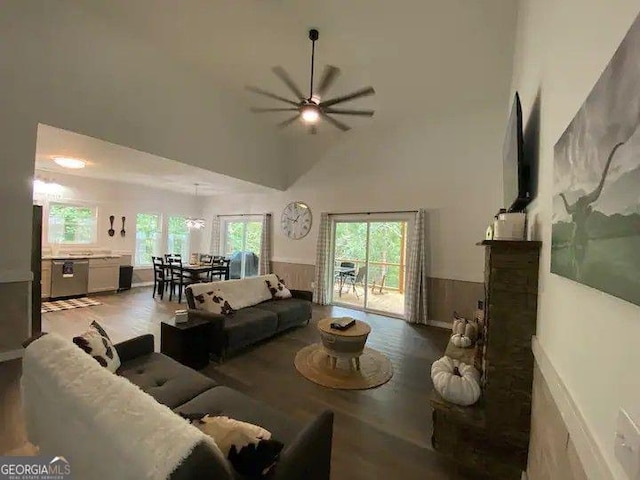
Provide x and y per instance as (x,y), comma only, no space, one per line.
(265,245)
(321,285)
(415,300)
(215,236)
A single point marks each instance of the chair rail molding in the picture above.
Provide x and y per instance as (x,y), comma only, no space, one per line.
(15,276)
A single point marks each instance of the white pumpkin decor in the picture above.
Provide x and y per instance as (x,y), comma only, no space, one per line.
(464,328)
(455,381)
(458,324)
(461,341)
(471,331)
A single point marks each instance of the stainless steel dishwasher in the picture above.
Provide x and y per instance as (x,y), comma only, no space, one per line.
(69,278)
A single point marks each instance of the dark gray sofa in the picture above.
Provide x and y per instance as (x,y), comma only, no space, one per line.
(253,324)
(307,451)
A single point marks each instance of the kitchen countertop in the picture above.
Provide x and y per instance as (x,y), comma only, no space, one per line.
(77,257)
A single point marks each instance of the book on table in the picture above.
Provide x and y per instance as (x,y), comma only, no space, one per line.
(342,323)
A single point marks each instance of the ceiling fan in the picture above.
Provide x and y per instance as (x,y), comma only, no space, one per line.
(312,108)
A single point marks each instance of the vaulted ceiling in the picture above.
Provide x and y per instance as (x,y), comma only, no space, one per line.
(422,56)
(167,77)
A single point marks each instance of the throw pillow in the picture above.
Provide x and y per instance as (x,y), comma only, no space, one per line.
(213,302)
(249,448)
(97,343)
(278,291)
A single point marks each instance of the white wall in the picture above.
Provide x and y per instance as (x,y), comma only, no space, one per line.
(590,337)
(65,67)
(121,199)
(450,166)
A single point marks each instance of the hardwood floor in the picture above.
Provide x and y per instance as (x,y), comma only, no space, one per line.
(378,434)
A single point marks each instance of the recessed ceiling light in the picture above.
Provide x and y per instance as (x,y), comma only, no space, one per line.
(68,162)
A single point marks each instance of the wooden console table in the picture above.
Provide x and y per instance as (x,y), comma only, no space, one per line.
(492,436)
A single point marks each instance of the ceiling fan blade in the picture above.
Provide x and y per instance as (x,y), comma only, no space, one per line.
(284,76)
(365,92)
(361,113)
(263,110)
(313,129)
(288,122)
(328,77)
(336,123)
(259,91)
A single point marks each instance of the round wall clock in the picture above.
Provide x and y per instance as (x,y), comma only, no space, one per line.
(296,220)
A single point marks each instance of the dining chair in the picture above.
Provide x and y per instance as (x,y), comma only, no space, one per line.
(357,279)
(218,261)
(159,276)
(178,278)
(346,270)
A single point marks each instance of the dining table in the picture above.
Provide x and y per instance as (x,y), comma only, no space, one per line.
(196,271)
(342,272)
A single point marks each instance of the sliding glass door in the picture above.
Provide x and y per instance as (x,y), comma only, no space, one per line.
(241,241)
(369,266)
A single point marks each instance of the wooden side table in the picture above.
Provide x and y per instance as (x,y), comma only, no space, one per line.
(348,344)
(188,343)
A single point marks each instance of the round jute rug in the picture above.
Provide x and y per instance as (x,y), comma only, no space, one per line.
(314,364)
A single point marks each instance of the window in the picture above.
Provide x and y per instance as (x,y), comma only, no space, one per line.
(178,236)
(241,240)
(148,234)
(72,224)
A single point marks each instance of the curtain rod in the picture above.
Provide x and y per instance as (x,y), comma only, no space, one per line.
(374,213)
(245,215)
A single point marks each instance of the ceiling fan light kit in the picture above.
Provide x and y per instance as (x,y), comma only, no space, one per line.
(311,109)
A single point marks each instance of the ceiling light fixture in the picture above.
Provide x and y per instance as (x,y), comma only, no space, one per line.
(68,162)
(192,222)
(310,108)
(310,113)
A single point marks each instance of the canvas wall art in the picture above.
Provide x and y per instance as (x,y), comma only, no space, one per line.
(596,199)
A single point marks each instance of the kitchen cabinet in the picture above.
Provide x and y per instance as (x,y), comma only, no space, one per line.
(104,274)
(45,279)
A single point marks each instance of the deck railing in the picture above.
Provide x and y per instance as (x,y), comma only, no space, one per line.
(372,278)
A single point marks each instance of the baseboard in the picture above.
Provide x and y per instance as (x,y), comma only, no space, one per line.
(438,323)
(588,451)
(142,284)
(11,355)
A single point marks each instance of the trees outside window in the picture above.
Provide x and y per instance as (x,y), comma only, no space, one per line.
(72,224)
(241,242)
(178,236)
(148,234)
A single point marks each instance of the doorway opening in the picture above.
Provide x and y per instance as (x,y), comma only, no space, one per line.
(369,262)
(241,241)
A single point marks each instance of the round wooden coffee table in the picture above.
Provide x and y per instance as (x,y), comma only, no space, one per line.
(346,344)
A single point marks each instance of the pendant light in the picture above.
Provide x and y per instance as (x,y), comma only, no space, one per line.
(195,223)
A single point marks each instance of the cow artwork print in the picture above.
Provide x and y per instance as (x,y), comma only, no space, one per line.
(214,302)
(280,291)
(97,343)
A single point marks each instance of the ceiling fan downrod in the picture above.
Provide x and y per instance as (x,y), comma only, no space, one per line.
(313,36)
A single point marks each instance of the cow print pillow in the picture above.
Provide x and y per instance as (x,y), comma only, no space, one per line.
(250,449)
(213,302)
(97,343)
(279,291)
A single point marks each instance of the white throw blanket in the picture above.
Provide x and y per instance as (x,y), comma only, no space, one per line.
(239,293)
(105,426)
